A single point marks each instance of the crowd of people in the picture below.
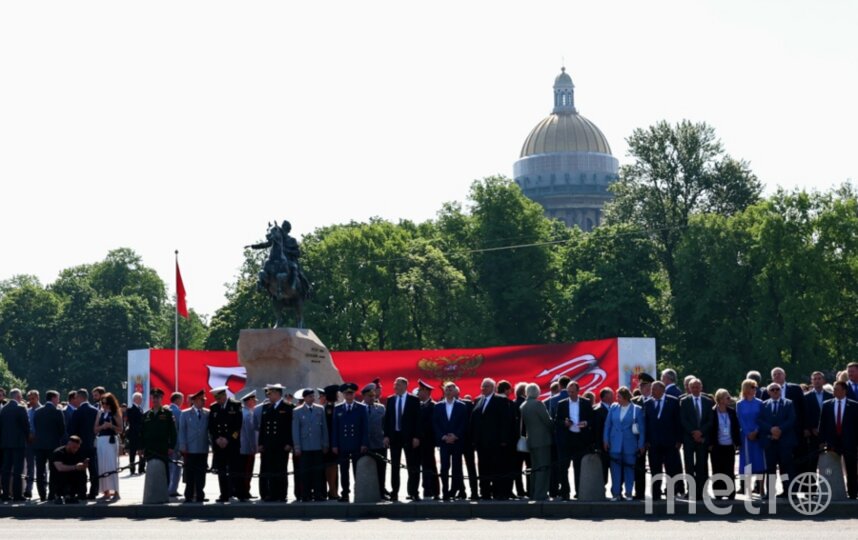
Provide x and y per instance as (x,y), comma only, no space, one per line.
(509,442)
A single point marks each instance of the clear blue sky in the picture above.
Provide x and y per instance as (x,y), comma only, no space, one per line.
(188,125)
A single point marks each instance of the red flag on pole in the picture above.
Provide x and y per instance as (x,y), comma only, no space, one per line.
(181,305)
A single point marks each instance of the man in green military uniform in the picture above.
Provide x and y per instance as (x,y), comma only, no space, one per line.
(225,419)
(158,440)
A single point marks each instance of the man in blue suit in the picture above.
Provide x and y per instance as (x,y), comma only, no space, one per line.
(663,435)
(49,427)
(450,422)
(852,383)
(350,439)
(551,403)
(68,412)
(777,435)
(82,424)
(193,442)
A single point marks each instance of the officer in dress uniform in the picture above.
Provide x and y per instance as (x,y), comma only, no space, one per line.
(275,443)
(248,445)
(225,420)
(350,438)
(375,433)
(311,441)
(158,437)
(194,446)
(426,434)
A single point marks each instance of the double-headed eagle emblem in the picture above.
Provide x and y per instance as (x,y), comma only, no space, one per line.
(450,368)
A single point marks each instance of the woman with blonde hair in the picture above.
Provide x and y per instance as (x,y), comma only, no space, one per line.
(108,426)
(752,457)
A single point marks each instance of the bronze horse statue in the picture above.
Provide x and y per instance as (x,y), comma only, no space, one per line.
(281,276)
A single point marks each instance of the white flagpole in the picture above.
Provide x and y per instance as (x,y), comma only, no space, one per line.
(176,334)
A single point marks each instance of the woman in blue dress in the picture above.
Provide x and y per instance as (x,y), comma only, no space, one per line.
(752,457)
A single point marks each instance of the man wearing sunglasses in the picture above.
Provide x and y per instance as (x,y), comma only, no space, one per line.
(777,435)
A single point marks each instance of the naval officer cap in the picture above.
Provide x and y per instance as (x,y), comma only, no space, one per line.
(368,388)
(250,395)
(275,388)
(421,384)
(198,394)
(219,390)
(348,387)
(156,392)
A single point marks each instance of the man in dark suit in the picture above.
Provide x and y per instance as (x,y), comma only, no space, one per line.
(426,434)
(491,428)
(351,436)
(573,431)
(469,453)
(450,423)
(600,417)
(521,458)
(551,404)
(813,401)
(14,432)
(852,383)
(134,433)
(68,411)
(82,424)
(668,377)
(696,416)
(274,445)
(663,435)
(838,432)
(49,428)
(401,423)
(777,435)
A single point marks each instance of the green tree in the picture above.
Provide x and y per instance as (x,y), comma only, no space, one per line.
(29,318)
(517,282)
(8,380)
(610,285)
(678,171)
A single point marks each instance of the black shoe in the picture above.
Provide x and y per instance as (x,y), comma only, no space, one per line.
(447,498)
(73,500)
(222,500)
(344,499)
(174,495)
(474,497)
(394,498)
(59,500)
(18,499)
(92,496)
(28,494)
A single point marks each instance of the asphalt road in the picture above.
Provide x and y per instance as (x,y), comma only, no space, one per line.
(433,529)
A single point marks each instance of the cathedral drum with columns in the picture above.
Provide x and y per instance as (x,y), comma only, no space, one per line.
(566,163)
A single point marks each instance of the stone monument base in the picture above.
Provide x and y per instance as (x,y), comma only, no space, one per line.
(293,357)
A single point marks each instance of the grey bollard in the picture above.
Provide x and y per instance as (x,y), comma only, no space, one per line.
(367,489)
(592,485)
(155,488)
(831,468)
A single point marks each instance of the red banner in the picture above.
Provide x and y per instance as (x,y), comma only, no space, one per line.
(594,364)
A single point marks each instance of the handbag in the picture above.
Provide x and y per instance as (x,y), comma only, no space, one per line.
(635,429)
(521,445)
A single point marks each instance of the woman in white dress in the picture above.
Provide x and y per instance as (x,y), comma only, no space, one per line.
(108,426)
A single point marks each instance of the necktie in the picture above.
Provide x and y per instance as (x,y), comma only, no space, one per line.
(840,417)
(199,415)
(658,408)
(697,406)
(776,407)
(399,411)
(348,408)
(485,403)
